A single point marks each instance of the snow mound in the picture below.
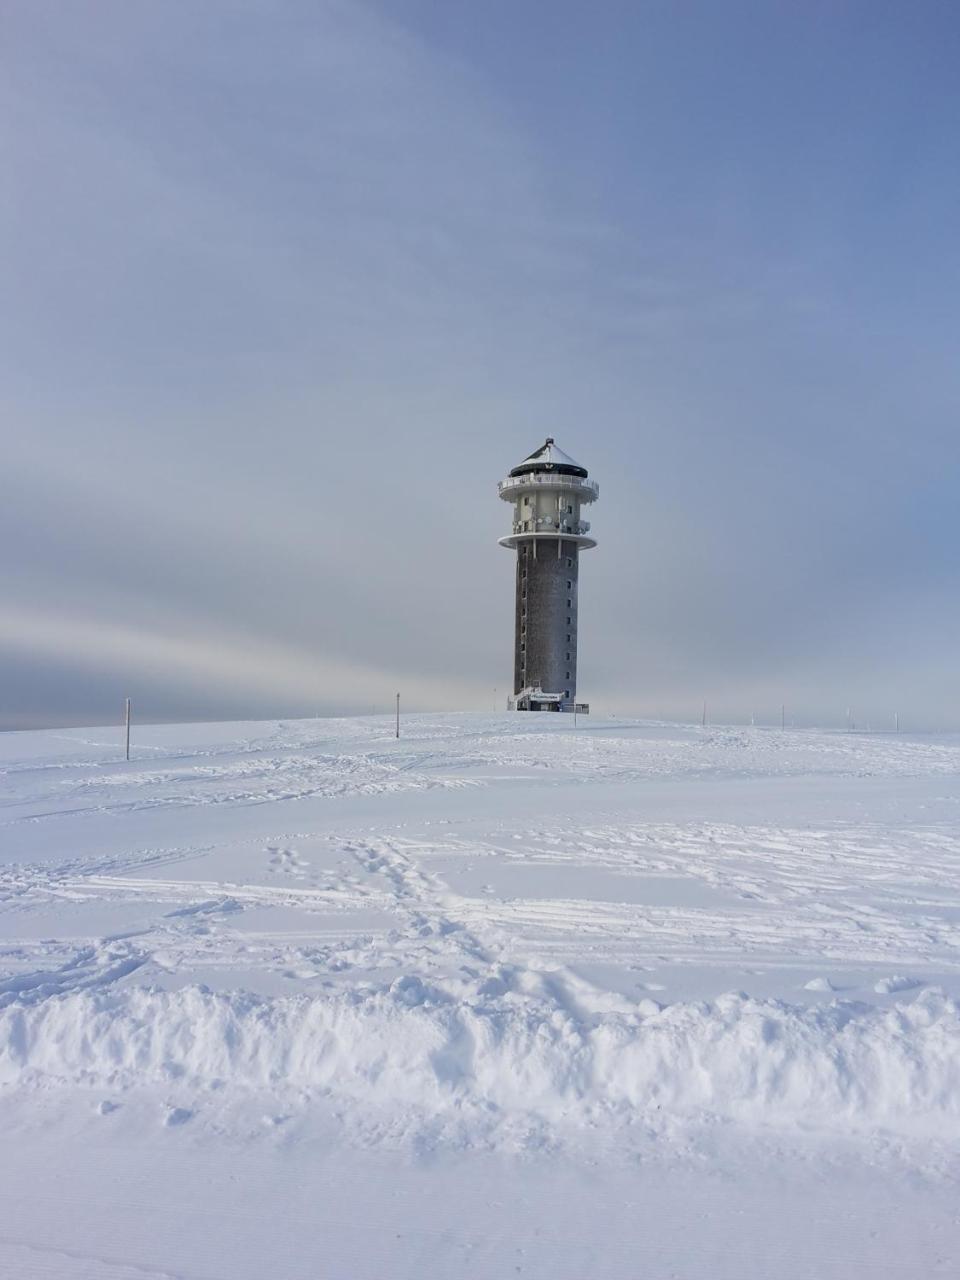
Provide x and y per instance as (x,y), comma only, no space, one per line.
(896,983)
(415,1049)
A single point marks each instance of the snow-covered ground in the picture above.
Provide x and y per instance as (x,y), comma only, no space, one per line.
(506,997)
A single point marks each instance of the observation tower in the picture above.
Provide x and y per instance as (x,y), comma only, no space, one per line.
(547,491)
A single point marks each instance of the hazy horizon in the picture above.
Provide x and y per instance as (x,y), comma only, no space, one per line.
(598,720)
(289,287)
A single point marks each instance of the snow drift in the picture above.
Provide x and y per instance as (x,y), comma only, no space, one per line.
(413,1047)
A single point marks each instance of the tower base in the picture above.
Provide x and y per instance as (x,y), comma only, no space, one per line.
(537,700)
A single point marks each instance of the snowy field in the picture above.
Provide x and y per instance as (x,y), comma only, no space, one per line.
(506,997)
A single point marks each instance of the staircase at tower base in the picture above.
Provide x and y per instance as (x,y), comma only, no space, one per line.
(534,699)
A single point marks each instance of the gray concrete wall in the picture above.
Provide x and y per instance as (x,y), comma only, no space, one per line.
(546,617)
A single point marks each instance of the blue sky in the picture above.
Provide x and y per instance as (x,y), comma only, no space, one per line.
(287,287)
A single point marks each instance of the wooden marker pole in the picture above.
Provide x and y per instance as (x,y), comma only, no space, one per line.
(398,715)
(127,720)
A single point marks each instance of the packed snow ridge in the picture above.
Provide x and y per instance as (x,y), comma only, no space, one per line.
(491,921)
(509,1049)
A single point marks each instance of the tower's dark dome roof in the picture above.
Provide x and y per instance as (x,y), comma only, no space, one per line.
(549,458)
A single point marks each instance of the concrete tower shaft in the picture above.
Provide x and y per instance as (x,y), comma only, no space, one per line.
(547,491)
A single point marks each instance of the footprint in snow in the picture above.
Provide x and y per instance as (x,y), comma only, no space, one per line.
(286,861)
(177,1116)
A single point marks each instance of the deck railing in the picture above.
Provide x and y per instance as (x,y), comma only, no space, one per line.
(545,523)
(588,490)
